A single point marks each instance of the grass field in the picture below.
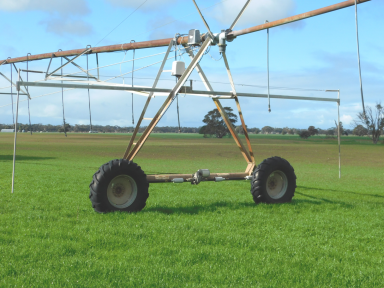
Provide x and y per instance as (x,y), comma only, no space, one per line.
(330,235)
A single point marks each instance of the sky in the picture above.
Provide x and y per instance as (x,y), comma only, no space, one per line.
(306,58)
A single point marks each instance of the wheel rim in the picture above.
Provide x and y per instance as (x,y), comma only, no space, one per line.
(277,184)
(122,191)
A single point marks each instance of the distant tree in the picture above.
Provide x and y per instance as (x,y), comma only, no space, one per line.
(360,130)
(239,129)
(291,131)
(341,128)
(254,130)
(373,121)
(267,129)
(312,130)
(330,132)
(347,132)
(278,130)
(285,130)
(67,127)
(215,125)
(202,129)
(304,134)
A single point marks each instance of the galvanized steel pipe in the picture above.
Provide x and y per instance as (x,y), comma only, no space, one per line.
(184,40)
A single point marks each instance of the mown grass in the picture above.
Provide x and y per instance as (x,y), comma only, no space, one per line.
(209,235)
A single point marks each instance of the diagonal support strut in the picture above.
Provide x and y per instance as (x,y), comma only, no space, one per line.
(238,106)
(169,99)
(148,100)
(62,66)
(235,136)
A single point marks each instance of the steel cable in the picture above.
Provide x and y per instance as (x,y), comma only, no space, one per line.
(89,102)
(29,112)
(133,70)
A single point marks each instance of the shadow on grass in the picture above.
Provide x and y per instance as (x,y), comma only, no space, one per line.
(196,209)
(213,207)
(303,201)
(343,204)
(24,158)
(342,191)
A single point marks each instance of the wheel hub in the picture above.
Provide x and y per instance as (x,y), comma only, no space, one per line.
(122,191)
(277,184)
(118,189)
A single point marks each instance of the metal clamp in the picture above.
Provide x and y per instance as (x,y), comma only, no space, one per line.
(199,176)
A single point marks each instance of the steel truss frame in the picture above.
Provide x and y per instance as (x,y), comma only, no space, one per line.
(207,40)
(133,148)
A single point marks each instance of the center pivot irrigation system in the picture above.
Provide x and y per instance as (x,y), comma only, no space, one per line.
(121,185)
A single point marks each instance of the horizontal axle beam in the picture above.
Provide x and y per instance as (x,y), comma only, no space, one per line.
(182,40)
(189,177)
(223,94)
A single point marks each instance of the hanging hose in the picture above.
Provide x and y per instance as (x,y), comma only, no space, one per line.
(133,69)
(29,112)
(269,99)
(177,35)
(13,114)
(97,63)
(62,98)
(89,99)
(178,114)
(177,107)
(358,59)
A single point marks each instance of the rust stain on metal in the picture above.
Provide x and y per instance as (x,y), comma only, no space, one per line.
(295,18)
(110,48)
(184,40)
(162,177)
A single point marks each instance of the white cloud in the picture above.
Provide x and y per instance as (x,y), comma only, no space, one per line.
(149,5)
(79,7)
(63,26)
(64,15)
(256,13)
(166,27)
(346,119)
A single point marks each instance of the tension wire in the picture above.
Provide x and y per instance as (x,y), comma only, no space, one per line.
(62,97)
(358,58)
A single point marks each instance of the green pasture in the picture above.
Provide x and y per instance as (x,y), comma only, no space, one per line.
(210,235)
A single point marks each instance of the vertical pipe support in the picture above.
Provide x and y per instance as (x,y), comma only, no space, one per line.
(338,131)
(97,63)
(269,100)
(15,139)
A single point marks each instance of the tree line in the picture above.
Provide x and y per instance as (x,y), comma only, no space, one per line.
(369,124)
(95,128)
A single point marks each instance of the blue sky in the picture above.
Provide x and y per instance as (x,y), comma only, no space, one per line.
(317,53)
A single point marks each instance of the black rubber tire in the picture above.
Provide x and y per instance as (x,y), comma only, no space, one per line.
(105,174)
(260,177)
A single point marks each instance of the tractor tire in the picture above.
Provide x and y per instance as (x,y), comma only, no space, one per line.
(273,181)
(119,185)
